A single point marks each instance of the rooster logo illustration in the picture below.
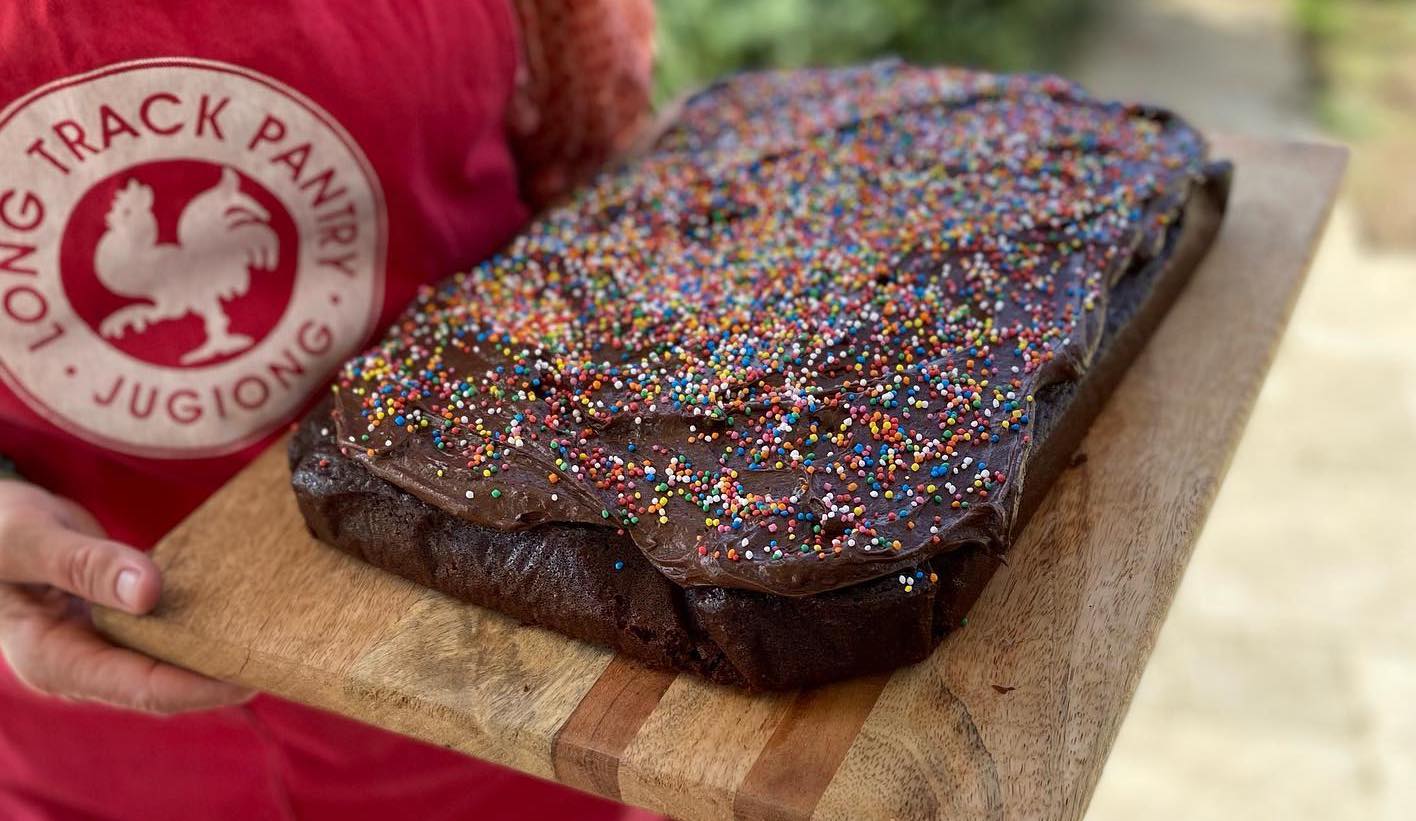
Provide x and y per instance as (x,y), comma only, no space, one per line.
(222,235)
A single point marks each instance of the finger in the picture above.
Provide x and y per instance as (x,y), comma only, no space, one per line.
(38,550)
(66,658)
(92,669)
(77,517)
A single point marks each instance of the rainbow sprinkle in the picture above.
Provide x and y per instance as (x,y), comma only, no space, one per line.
(794,346)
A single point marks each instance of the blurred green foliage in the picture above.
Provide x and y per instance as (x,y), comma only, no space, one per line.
(700,40)
(1318,18)
(1359,57)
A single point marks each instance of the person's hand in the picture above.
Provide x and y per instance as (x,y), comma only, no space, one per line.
(53,560)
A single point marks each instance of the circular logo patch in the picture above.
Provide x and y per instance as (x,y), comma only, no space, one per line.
(186,249)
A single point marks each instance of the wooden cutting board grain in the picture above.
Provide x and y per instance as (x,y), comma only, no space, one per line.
(1012,717)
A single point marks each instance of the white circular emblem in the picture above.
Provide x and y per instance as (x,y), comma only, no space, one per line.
(186,249)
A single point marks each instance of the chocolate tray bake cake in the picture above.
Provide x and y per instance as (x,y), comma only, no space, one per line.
(770,401)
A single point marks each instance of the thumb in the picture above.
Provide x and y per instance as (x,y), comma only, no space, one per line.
(95,569)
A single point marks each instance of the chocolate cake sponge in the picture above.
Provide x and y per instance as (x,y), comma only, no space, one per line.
(563,577)
(756,627)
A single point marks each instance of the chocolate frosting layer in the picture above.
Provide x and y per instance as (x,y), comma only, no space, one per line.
(796,344)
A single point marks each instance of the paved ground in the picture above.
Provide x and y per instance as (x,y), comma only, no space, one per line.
(1284,683)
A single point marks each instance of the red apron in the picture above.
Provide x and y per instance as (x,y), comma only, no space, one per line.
(204,208)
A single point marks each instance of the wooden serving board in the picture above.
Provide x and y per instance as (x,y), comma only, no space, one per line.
(1012,717)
